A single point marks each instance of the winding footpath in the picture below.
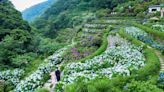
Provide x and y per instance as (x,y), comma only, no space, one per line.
(48,85)
(161,58)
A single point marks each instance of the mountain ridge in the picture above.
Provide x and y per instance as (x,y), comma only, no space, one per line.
(34,11)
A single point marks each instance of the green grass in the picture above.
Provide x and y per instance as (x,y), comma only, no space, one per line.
(42,90)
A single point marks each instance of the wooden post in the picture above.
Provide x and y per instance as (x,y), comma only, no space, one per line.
(2,85)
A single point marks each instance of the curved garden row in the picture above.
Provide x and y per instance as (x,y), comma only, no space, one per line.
(145,37)
(152,61)
(150,31)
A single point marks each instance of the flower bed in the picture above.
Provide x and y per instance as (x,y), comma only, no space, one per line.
(36,79)
(143,36)
(158,27)
(150,31)
(12,76)
(121,60)
(89,41)
(152,66)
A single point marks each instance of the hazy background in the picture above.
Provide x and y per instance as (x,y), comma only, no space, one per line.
(23,4)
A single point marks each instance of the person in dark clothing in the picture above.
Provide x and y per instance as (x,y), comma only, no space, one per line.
(57,73)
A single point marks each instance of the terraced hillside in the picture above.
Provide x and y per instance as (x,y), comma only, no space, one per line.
(94,50)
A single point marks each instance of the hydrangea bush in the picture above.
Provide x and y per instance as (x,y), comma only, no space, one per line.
(12,76)
(158,27)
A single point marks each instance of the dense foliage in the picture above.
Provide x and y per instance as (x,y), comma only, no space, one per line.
(68,13)
(115,85)
(17,43)
(10,19)
(63,14)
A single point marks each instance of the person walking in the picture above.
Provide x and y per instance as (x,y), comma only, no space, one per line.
(57,73)
(52,74)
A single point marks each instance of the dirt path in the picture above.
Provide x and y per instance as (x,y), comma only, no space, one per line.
(48,85)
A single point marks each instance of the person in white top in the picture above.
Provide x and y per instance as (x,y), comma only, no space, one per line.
(53,78)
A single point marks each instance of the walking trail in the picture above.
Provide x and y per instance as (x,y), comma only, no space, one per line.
(48,85)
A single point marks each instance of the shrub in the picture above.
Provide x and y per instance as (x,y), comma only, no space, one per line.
(42,90)
(141,86)
(98,85)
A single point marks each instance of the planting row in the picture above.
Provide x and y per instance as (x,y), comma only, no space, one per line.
(95,26)
(143,36)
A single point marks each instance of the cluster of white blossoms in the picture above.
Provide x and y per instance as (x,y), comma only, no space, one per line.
(93,31)
(12,76)
(118,60)
(158,27)
(95,26)
(135,32)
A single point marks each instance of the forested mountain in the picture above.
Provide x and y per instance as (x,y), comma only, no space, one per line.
(36,10)
(15,35)
(67,13)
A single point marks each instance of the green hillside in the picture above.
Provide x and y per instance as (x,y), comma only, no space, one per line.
(15,35)
(63,14)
